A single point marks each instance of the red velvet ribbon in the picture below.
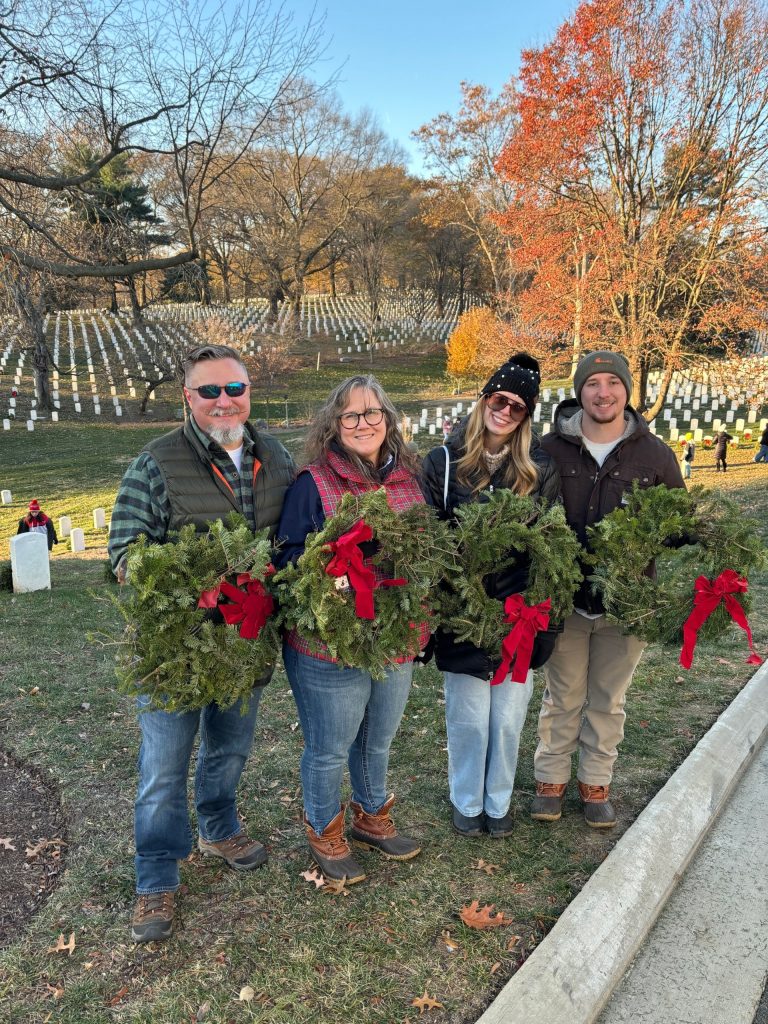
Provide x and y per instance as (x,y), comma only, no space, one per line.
(707,596)
(250,607)
(517,645)
(348,561)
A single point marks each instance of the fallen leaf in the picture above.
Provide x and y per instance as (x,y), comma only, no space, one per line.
(643,725)
(202,1011)
(512,942)
(62,946)
(57,991)
(246,994)
(35,690)
(679,679)
(336,886)
(724,661)
(426,1002)
(120,994)
(37,849)
(480,865)
(475,916)
(314,876)
(6,844)
(450,943)
(495,967)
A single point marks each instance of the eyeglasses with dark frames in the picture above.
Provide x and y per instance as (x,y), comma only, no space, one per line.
(498,403)
(350,420)
(210,391)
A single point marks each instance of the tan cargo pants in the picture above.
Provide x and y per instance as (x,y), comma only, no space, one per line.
(587,678)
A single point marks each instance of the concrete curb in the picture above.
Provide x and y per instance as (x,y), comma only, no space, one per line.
(571,975)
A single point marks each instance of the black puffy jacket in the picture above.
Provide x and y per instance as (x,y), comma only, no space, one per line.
(451,654)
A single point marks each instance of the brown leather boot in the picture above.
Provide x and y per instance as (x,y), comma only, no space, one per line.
(377,832)
(331,850)
(548,803)
(598,810)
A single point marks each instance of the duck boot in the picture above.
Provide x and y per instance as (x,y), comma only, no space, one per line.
(331,850)
(598,810)
(377,832)
(547,805)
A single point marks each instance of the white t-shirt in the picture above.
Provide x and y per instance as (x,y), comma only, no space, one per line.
(599,450)
(237,456)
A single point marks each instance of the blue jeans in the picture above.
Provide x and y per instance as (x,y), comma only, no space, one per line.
(162,830)
(346,716)
(762,454)
(484,723)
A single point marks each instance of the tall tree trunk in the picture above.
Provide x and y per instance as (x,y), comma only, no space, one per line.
(135,304)
(113,308)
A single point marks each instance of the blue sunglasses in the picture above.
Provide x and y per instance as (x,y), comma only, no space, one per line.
(235,390)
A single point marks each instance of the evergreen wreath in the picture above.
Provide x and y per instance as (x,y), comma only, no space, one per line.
(690,534)
(494,534)
(414,550)
(178,646)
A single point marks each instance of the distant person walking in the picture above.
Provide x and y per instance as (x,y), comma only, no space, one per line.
(762,452)
(689,453)
(721,450)
(36,521)
(447,427)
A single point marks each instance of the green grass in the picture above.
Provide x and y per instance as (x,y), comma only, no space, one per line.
(307,955)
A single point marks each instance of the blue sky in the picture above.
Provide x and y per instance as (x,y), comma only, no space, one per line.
(405,60)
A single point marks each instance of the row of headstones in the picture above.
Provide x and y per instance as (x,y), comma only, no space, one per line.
(75,534)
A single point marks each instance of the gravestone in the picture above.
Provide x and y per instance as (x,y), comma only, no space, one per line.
(30,566)
(77,540)
(65,526)
(99,519)
(6,497)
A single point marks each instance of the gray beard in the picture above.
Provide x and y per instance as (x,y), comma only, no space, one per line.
(226,435)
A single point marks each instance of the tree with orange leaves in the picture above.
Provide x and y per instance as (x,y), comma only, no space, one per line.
(634,173)
(479,343)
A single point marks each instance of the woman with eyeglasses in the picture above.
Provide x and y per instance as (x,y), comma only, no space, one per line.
(494,447)
(354,445)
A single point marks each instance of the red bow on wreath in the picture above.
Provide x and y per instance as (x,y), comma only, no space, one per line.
(348,561)
(707,596)
(250,607)
(517,645)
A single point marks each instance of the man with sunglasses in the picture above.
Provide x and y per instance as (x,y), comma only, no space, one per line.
(215,464)
(601,447)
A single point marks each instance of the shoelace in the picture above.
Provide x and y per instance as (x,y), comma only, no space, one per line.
(594,792)
(549,789)
(155,903)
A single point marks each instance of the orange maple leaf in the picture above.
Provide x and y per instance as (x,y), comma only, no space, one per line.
(481,865)
(475,916)
(62,946)
(426,1002)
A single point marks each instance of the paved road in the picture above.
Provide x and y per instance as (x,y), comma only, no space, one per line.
(706,959)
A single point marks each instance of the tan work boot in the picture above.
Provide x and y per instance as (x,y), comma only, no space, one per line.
(152,918)
(239,852)
(377,832)
(331,850)
(548,803)
(598,810)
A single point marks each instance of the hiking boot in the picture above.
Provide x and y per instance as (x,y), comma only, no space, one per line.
(470,826)
(377,832)
(499,828)
(240,852)
(331,850)
(598,810)
(152,918)
(548,803)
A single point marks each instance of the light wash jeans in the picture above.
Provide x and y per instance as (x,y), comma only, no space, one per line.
(162,830)
(484,723)
(346,716)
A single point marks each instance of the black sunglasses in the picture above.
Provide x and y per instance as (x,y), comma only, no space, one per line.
(497,403)
(235,390)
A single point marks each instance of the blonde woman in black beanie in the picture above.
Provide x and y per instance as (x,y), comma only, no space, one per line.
(494,447)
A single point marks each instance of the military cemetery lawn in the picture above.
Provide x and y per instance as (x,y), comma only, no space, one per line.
(268,946)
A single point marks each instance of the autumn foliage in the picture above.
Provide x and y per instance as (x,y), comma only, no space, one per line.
(479,343)
(634,213)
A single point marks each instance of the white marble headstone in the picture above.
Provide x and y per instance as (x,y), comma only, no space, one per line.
(30,566)
(77,540)
(99,519)
(65,526)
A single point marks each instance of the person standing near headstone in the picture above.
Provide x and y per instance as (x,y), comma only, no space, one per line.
(762,453)
(601,447)
(215,464)
(689,453)
(36,521)
(721,451)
